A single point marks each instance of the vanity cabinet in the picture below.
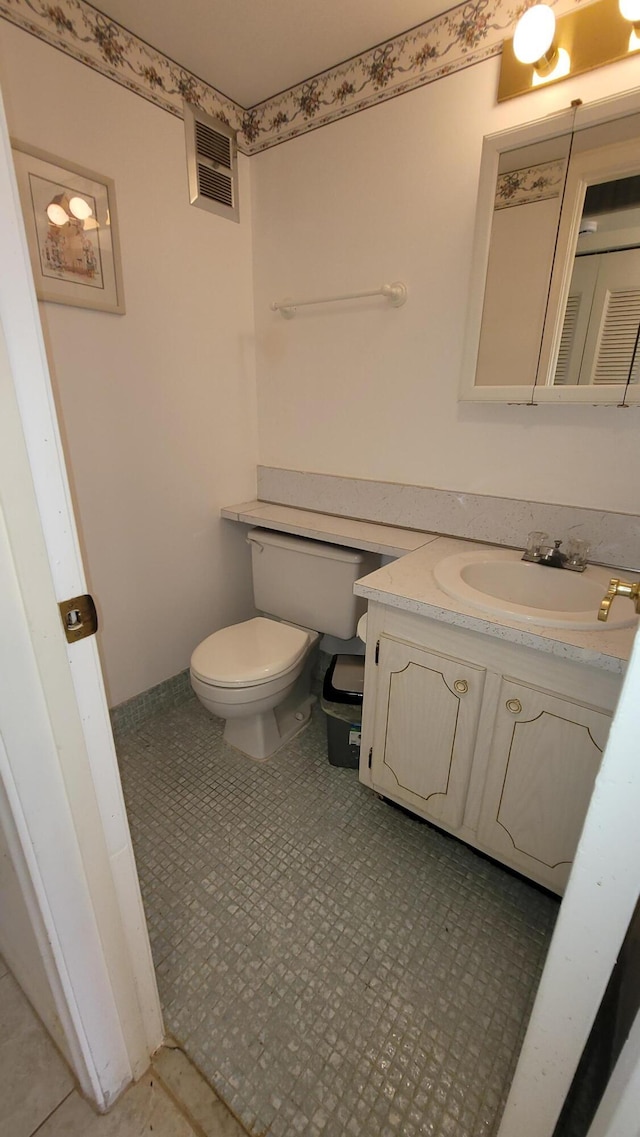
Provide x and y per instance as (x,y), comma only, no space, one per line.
(497,743)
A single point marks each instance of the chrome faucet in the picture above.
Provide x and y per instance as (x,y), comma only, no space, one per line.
(552,556)
(540,551)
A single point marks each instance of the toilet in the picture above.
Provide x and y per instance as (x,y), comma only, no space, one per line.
(257,675)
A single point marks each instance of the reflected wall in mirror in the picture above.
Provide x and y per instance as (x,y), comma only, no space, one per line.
(526,214)
(554,311)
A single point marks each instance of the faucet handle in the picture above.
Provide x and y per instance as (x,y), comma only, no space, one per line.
(619,588)
(535,541)
(577,551)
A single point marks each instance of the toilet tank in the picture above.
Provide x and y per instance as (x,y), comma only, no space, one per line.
(308,582)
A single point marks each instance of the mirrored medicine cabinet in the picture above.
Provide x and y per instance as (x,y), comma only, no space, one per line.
(554,312)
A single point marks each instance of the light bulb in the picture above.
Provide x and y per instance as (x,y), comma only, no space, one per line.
(80,208)
(630,9)
(56,214)
(533,37)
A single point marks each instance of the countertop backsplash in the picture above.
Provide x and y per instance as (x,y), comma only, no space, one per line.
(614,538)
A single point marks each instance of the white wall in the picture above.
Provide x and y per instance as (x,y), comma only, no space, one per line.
(366,391)
(157,407)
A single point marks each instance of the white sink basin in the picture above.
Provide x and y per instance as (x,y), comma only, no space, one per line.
(499,581)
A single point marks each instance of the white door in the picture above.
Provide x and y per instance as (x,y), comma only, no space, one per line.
(62,810)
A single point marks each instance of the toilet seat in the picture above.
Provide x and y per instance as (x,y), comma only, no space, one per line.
(250,653)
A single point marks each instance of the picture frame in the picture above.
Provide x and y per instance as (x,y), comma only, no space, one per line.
(72,230)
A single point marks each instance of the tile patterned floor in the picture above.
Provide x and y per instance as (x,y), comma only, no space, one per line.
(334,967)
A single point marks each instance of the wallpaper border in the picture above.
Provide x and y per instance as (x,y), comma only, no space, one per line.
(452,41)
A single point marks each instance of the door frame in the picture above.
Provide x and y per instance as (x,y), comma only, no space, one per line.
(63,813)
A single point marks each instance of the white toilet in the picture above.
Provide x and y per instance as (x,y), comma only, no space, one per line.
(257,675)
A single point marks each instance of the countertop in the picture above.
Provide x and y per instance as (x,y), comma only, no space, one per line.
(369,535)
(408,583)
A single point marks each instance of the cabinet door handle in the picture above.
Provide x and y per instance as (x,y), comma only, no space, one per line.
(514,705)
(461,686)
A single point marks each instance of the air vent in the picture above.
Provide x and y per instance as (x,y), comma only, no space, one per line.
(215,186)
(211,164)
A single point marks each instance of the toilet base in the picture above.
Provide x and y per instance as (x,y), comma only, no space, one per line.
(262,734)
(259,736)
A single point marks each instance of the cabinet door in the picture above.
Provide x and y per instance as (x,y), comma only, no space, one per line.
(426,718)
(545,755)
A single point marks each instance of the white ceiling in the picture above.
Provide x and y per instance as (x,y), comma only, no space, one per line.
(251,49)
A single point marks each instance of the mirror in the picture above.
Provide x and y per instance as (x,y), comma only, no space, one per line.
(601,327)
(554,312)
(526,215)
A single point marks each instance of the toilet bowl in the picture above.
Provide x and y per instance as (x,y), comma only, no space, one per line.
(257,676)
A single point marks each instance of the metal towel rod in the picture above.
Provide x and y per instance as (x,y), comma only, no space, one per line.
(396,293)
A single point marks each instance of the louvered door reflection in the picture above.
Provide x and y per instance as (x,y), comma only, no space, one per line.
(576,321)
(426,719)
(617,337)
(601,321)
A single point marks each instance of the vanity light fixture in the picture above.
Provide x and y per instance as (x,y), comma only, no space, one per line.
(587,37)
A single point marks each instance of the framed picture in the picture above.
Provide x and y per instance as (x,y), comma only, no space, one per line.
(71,223)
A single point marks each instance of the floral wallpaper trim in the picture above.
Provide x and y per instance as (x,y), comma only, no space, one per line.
(465,35)
(535,183)
(82,32)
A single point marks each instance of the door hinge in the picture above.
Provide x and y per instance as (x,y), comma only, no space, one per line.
(370,757)
(377,653)
(79,617)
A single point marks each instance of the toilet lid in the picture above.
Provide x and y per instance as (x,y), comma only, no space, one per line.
(246,654)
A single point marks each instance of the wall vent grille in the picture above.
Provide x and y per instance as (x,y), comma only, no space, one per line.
(210,143)
(215,186)
(212,164)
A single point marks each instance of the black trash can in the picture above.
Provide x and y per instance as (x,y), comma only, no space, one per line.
(341,702)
